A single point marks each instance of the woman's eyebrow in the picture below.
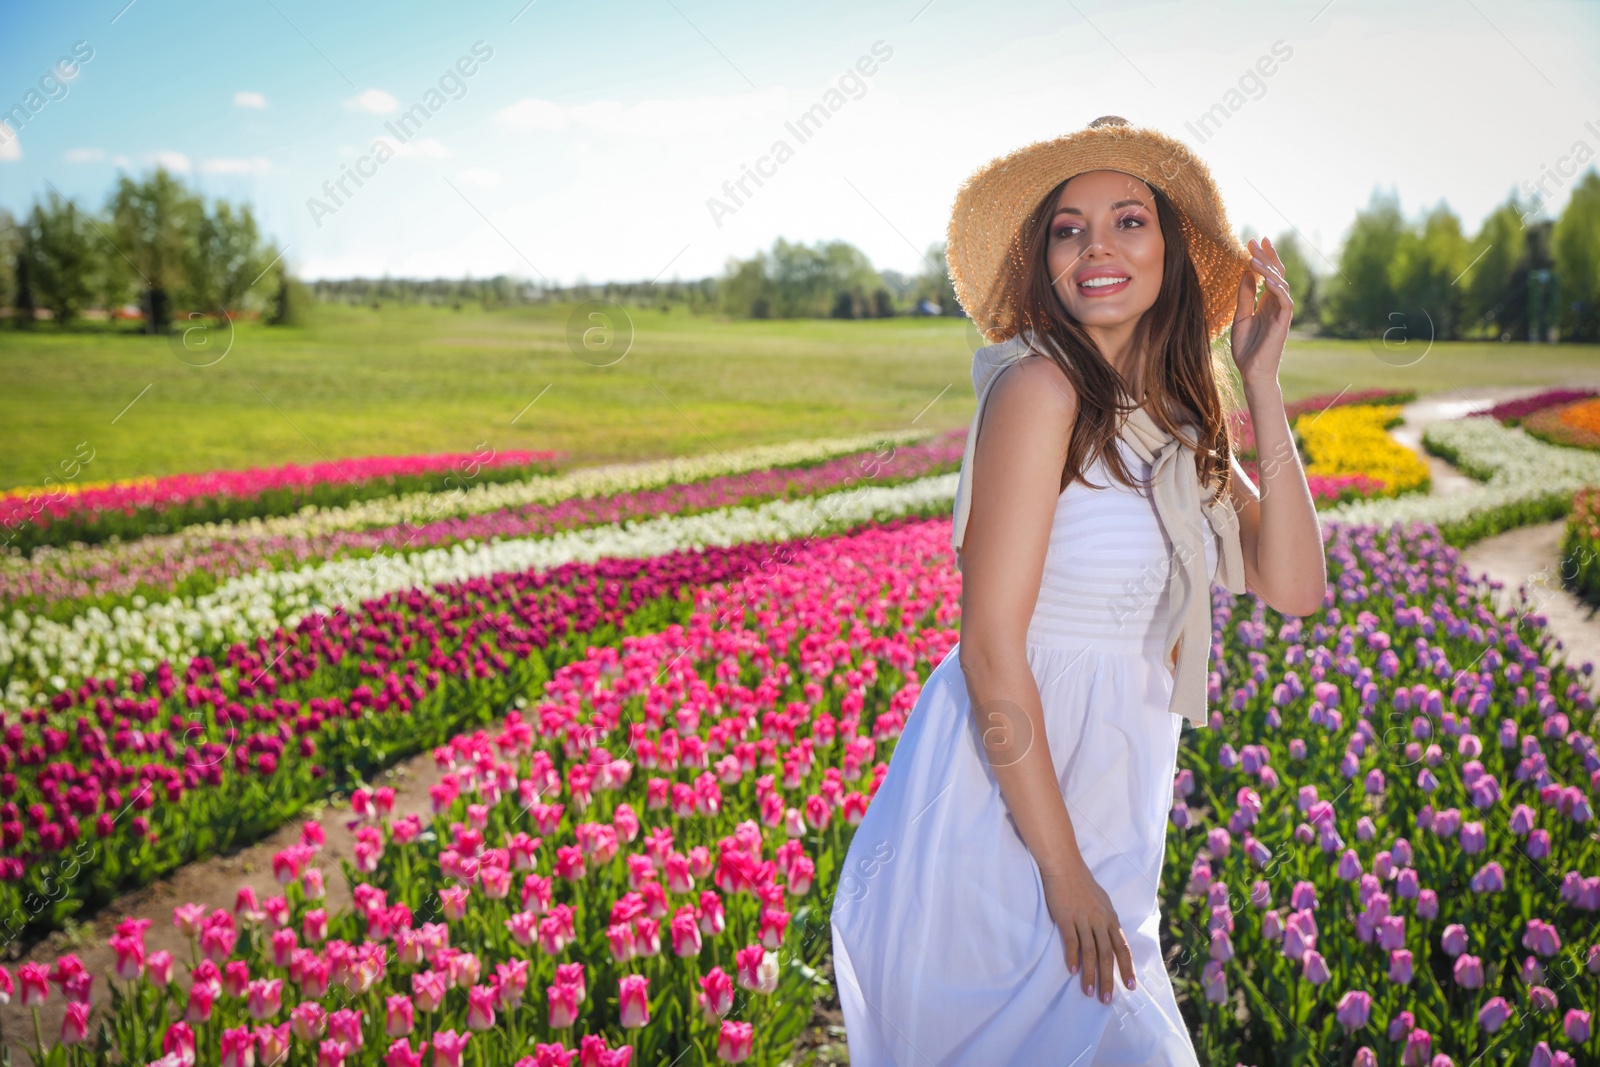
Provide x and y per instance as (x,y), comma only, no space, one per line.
(1119,203)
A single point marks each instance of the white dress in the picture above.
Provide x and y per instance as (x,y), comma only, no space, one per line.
(944,952)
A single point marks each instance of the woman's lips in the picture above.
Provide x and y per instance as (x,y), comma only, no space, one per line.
(1104,290)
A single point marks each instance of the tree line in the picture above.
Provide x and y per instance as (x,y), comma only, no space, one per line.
(154,243)
(1520,277)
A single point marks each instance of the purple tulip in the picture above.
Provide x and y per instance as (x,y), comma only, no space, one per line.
(1541,937)
(1221,946)
(1365,1057)
(1349,865)
(1469,971)
(1418,1044)
(1542,998)
(1576,1025)
(1493,1015)
(1355,1007)
(1490,878)
(1303,897)
(1427,904)
(1315,967)
(1401,852)
(1454,939)
(1400,966)
(1473,839)
(1402,1023)
(1216,982)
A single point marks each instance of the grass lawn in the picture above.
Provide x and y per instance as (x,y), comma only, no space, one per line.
(401,380)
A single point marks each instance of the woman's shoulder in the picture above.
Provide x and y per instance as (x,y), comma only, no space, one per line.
(1035,381)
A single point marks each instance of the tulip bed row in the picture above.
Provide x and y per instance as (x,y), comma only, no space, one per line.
(65,513)
(1379,851)
(1512,412)
(194,560)
(1575,424)
(40,657)
(59,592)
(1329,484)
(1355,441)
(1387,835)
(122,780)
(1524,480)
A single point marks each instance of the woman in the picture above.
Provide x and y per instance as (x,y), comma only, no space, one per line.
(1005,875)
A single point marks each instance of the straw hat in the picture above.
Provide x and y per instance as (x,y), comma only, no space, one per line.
(993,205)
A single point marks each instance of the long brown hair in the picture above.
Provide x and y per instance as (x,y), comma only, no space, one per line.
(1179,366)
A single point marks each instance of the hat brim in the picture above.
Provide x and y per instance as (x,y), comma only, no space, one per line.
(994,204)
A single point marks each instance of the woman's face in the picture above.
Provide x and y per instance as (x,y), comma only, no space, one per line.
(1105,232)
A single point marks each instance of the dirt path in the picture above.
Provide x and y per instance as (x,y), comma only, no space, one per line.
(1526,560)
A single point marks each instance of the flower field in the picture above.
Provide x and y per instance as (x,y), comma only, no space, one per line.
(67,511)
(658,713)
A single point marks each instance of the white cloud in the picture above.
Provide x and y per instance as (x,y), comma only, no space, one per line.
(654,118)
(415,148)
(226,165)
(534,115)
(374,100)
(85,155)
(10,147)
(173,161)
(122,161)
(481,177)
(248,98)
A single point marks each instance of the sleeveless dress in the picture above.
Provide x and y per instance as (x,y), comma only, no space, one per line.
(944,952)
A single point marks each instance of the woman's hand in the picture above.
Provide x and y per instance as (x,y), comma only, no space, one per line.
(1089,928)
(1260,331)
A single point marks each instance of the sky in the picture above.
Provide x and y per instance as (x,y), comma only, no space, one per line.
(563,142)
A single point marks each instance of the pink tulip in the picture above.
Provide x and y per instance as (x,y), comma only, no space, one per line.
(634,1000)
(309,1021)
(429,988)
(272,1044)
(35,979)
(331,1053)
(238,1047)
(400,1054)
(448,1047)
(735,1041)
(563,1006)
(401,1018)
(480,1007)
(344,1026)
(179,1042)
(201,999)
(266,998)
(1576,1026)
(75,1024)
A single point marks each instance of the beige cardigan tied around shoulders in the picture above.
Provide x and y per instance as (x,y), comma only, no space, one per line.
(1175,488)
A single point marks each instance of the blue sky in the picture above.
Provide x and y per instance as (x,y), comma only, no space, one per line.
(589,142)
